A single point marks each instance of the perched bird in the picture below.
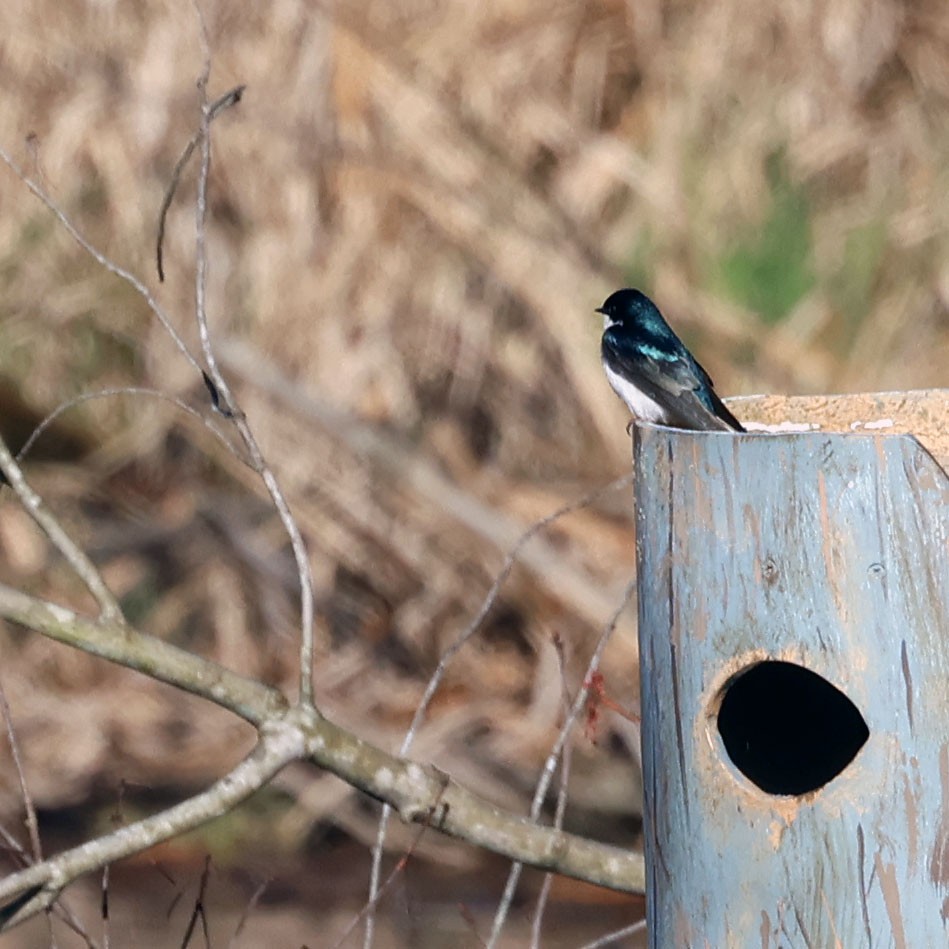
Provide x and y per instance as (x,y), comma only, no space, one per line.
(650,369)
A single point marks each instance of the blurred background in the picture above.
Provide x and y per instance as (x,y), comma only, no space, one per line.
(413,213)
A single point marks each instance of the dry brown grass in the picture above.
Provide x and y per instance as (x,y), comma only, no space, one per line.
(415,209)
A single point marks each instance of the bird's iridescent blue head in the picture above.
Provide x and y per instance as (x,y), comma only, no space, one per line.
(629,307)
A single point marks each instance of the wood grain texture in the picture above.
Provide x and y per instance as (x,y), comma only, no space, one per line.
(832,552)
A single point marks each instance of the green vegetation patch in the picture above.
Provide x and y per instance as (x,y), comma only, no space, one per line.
(769,269)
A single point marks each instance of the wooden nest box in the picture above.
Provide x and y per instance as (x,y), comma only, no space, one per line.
(794,630)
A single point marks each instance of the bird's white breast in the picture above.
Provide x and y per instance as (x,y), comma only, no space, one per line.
(636,400)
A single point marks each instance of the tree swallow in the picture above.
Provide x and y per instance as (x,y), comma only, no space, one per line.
(650,369)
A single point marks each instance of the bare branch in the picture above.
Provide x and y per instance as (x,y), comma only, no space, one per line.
(398,869)
(80,563)
(446,659)
(420,794)
(561,808)
(257,460)
(101,258)
(281,741)
(31,822)
(610,938)
(300,556)
(245,915)
(540,792)
(220,388)
(85,569)
(579,702)
(412,789)
(110,393)
(197,911)
(230,98)
(106,922)
(490,599)
(136,650)
(61,909)
(546,564)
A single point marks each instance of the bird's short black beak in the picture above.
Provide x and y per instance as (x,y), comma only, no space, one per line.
(600,309)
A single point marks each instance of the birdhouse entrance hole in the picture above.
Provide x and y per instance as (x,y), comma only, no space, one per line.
(788,730)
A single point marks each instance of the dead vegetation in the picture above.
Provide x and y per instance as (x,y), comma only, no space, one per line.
(415,209)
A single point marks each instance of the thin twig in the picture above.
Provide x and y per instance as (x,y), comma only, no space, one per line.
(110,393)
(106,927)
(469,918)
(475,624)
(225,397)
(561,808)
(201,205)
(60,908)
(197,911)
(280,743)
(448,656)
(17,850)
(408,786)
(614,937)
(398,869)
(245,914)
(230,98)
(100,258)
(257,461)
(109,609)
(31,822)
(550,765)
(404,466)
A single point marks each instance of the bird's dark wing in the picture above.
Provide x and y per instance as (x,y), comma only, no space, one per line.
(721,410)
(670,376)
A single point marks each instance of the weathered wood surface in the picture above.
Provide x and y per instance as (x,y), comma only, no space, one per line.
(832,552)
(923,413)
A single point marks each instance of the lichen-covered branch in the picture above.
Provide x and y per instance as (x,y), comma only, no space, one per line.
(282,740)
(419,793)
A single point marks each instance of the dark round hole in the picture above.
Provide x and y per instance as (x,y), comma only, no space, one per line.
(787,729)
